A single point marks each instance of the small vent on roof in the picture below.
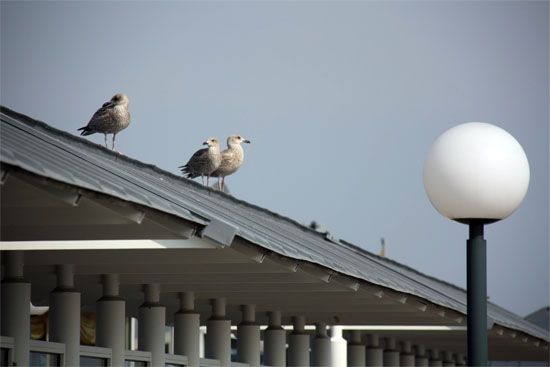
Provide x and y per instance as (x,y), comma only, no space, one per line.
(317,228)
(383,247)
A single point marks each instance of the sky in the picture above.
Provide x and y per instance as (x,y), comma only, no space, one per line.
(341,100)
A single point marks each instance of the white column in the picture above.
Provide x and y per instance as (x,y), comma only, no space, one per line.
(320,347)
(374,355)
(248,337)
(218,334)
(460,360)
(434,360)
(152,320)
(421,360)
(202,342)
(391,355)
(64,314)
(187,329)
(448,360)
(15,316)
(338,347)
(356,350)
(274,341)
(298,343)
(111,319)
(406,359)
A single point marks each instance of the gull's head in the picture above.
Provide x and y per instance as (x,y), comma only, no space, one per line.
(236,139)
(212,142)
(120,99)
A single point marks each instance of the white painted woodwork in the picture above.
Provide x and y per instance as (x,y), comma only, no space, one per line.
(15,310)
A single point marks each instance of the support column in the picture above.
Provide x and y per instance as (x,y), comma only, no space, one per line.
(15,313)
(248,337)
(64,314)
(338,347)
(320,348)
(406,359)
(374,355)
(111,319)
(274,341)
(298,343)
(421,360)
(187,329)
(448,360)
(218,333)
(434,360)
(460,360)
(391,355)
(356,350)
(152,320)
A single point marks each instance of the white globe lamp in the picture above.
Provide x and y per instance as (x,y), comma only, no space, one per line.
(476,171)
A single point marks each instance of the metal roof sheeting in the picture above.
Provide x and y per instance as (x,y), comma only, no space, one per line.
(40,149)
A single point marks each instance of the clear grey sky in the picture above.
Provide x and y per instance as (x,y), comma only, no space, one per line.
(342,101)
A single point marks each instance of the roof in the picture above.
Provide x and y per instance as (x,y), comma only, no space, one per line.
(38,148)
(541,317)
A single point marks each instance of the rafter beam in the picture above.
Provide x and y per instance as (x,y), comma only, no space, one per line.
(103,245)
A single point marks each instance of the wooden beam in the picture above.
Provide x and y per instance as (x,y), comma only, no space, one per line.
(3,175)
(136,256)
(249,250)
(178,226)
(104,245)
(286,263)
(127,211)
(315,271)
(68,196)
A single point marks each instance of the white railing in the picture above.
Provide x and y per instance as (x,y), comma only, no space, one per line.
(138,356)
(49,351)
(205,362)
(105,354)
(7,344)
(175,360)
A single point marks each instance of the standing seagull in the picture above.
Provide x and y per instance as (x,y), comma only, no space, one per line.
(111,118)
(232,158)
(204,161)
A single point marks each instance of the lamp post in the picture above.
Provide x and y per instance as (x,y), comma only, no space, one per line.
(476,173)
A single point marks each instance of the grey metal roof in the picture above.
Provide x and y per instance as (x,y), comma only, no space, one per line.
(40,149)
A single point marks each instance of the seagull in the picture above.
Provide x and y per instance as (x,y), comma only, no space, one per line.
(110,118)
(204,161)
(232,158)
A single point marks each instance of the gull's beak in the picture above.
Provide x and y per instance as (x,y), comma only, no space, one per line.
(204,143)
(246,141)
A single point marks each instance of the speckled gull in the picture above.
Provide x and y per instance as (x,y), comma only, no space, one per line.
(232,158)
(204,161)
(110,118)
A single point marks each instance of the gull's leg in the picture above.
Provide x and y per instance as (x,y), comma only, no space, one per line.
(106,141)
(207,180)
(220,178)
(223,184)
(202,179)
(114,136)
